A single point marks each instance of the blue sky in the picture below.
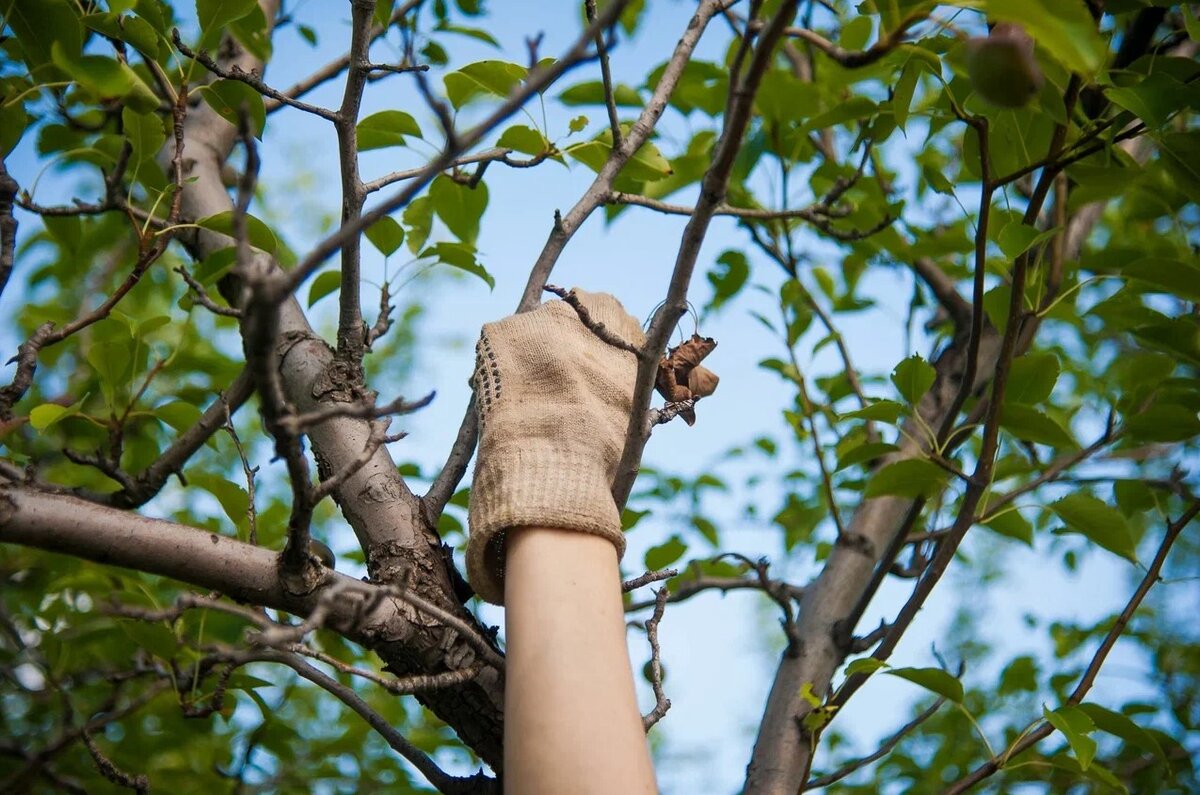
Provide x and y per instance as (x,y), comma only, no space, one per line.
(719,652)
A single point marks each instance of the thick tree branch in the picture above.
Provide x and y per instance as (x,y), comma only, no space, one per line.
(712,195)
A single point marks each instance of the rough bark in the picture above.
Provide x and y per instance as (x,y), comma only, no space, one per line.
(384,514)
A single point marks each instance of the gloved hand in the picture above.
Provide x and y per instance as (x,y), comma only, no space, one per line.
(553,402)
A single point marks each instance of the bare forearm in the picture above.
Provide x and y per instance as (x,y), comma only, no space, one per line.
(571,718)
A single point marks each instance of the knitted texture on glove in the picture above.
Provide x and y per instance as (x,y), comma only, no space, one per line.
(553,402)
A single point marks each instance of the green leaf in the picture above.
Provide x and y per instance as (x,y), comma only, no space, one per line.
(1119,725)
(857,32)
(47,414)
(494,78)
(106,78)
(459,206)
(902,95)
(41,24)
(252,32)
(1175,277)
(577,124)
(1075,724)
(386,235)
(666,553)
(1011,524)
(419,217)
(646,165)
(384,129)
(592,93)
(66,230)
(230,97)
(864,665)
(867,451)
(1154,99)
(145,133)
(933,679)
(888,411)
(1031,425)
(913,477)
(461,256)
(259,234)
(155,637)
(1163,422)
(325,283)
(1064,28)
(524,139)
(913,377)
(707,529)
(806,693)
(1099,522)
(630,518)
(728,280)
(13,123)
(233,498)
(179,414)
(853,109)
(1032,378)
(473,33)
(215,15)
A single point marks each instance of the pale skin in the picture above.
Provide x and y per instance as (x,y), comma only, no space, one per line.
(571,720)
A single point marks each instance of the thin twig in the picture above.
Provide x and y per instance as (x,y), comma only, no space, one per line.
(661,702)
(884,749)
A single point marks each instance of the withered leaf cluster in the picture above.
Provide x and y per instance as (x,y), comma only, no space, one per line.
(681,376)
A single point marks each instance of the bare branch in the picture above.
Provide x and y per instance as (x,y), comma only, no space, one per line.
(944,290)
(251,79)
(440,779)
(338,65)
(364,410)
(8,225)
(661,702)
(610,101)
(139,783)
(595,326)
(647,578)
(351,335)
(712,195)
(201,296)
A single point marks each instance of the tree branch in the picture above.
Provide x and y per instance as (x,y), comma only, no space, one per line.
(1031,739)
(884,749)
(712,195)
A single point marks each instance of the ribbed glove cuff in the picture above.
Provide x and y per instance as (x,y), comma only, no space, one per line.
(539,486)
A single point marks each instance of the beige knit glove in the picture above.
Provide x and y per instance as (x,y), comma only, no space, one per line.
(553,402)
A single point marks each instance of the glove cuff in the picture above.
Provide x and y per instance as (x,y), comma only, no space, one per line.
(534,486)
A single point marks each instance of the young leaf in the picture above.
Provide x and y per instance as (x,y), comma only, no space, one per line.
(1119,725)
(230,98)
(913,377)
(259,234)
(495,78)
(666,553)
(932,679)
(1075,724)
(324,284)
(386,235)
(459,206)
(881,411)
(386,128)
(1031,425)
(913,477)
(1102,524)
(1032,378)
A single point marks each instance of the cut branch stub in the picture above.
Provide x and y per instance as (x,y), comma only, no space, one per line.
(681,377)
